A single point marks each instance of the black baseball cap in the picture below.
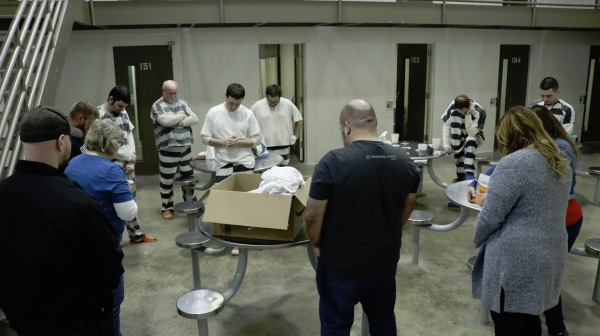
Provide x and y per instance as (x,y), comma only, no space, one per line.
(44,123)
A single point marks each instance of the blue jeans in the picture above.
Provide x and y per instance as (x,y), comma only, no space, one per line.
(554,316)
(337,298)
(118,296)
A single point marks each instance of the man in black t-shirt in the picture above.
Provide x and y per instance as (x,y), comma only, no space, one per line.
(360,198)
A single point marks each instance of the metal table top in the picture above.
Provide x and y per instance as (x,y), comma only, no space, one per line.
(206,228)
(411,148)
(457,193)
(261,164)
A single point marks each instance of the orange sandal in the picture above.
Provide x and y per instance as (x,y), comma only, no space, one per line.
(145,239)
(167,215)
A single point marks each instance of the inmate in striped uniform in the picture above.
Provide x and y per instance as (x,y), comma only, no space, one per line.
(174,138)
(123,159)
(463,134)
(563,111)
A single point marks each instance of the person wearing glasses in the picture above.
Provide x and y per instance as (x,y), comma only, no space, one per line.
(114,109)
(280,122)
(360,197)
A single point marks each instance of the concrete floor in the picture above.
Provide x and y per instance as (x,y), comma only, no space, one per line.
(279,297)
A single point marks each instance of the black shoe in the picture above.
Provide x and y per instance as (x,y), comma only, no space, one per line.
(453,206)
(562,333)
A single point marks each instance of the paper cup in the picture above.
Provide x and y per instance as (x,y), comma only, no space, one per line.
(395,137)
(436,143)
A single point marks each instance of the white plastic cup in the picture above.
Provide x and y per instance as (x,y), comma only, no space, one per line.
(395,137)
(436,143)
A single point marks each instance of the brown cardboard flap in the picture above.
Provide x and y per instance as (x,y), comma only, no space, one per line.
(302,193)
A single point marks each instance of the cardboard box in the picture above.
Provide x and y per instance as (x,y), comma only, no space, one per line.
(235,212)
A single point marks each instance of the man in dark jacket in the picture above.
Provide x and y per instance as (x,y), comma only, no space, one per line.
(59,249)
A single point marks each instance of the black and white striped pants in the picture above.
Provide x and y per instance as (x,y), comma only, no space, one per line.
(171,159)
(465,159)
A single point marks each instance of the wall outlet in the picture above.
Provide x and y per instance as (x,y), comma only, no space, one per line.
(389,104)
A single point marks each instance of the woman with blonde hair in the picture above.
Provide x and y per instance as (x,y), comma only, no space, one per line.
(100,177)
(523,244)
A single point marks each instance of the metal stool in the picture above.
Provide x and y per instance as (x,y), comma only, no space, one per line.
(193,240)
(481,161)
(592,246)
(190,208)
(421,164)
(200,304)
(483,312)
(595,172)
(187,184)
(418,219)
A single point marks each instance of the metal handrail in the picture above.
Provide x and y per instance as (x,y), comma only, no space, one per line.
(28,48)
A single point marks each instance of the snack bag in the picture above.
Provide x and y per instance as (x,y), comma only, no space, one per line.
(482,183)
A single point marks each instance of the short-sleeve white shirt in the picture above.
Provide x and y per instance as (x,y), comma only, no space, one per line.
(222,124)
(276,123)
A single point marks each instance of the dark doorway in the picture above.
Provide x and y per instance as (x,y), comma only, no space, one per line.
(591,113)
(143,69)
(411,117)
(283,64)
(512,78)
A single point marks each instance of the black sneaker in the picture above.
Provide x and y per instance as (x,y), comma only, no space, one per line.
(453,206)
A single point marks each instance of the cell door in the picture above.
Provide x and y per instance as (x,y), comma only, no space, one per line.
(143,69)
(411,116)
(591,113)
(513,69)
(512,79)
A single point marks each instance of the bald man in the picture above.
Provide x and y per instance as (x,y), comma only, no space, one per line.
(360,198)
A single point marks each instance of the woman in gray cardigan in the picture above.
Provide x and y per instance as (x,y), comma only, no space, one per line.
(519,269)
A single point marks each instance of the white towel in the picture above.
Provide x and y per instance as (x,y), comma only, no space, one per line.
(280,180)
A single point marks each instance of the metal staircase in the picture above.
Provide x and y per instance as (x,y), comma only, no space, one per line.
(32,52)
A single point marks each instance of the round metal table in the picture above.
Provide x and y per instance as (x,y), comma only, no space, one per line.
(411,149)
(245,244)
(261,164)
(457,193)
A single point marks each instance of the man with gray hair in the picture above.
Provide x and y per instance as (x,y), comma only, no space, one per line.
(60,252)
(173,118)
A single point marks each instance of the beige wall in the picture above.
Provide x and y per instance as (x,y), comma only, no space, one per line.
(341,64)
